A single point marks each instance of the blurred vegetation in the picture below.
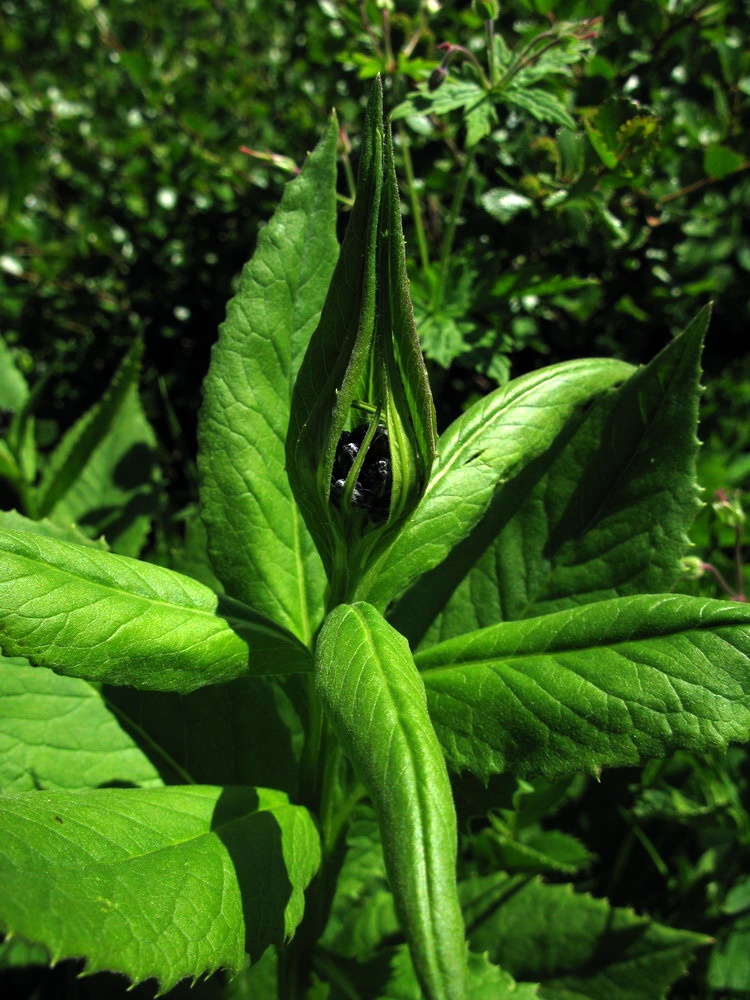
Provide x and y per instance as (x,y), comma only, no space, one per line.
(577,185)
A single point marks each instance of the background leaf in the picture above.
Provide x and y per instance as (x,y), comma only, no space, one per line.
(608,684)
(57,732)
(572,944)
(162,882)
(108,618)
(259,545)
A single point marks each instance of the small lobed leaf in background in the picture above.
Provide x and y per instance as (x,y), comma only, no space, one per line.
(105,617)
(607,684)
(259,546)
(572,944)
(162,883)
(57,733)
(486,981)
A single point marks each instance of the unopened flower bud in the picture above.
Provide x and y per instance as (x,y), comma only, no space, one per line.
(361,436)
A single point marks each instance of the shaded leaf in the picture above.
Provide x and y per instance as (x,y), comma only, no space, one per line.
(56,732)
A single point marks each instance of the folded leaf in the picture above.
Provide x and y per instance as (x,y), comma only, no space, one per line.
(162,882)
(572,944)
(375,701)
(487,445)
(361,437)
(57,732)
(259,545)
(104,617)
(609,684)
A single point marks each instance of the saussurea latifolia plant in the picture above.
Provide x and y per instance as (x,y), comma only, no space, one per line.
(317,757)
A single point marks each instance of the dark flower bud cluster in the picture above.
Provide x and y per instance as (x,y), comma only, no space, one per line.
(372,490)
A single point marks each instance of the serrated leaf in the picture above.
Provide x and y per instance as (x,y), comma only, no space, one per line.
(491,442)
(608,684)
(545,107)
(56,733)
(486,981)
(164,882)
(604,513)
(374,700)
(573,944)
(542,851)
(109,618)
(259,545)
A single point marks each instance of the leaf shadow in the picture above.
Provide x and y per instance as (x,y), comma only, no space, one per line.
(253,839)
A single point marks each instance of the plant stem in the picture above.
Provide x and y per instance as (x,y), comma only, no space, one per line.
(416,210)
(450,232)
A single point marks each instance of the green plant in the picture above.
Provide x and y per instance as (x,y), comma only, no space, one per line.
(290,725)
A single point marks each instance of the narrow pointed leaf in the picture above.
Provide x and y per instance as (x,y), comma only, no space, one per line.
(104,617)
(160,883)
(259,546)
(375,701)
(363,373)
(75,450)
(115,493)
(481,450)
(606,516)
(57,733)
(609,684)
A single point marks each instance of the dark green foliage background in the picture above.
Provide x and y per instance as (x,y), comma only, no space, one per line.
(128,208)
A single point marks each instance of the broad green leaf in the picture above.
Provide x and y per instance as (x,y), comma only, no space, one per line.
(56,733)
(114,492)
(545,107)
(608,684)
(161,882)
(259,545)
(572,944)
(11,520)
(484,448)
(241,733)
(104,617)
(70,458)
(375,701)
(605,514)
